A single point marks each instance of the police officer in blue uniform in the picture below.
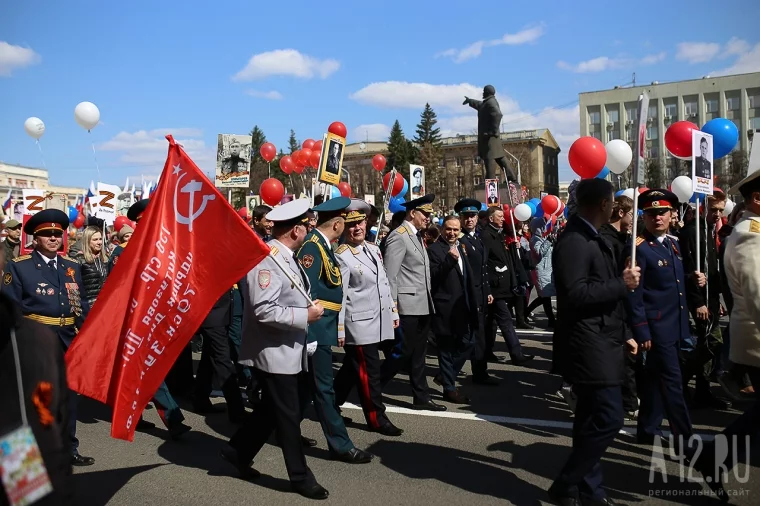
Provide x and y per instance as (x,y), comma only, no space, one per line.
(47,286)
(659,319)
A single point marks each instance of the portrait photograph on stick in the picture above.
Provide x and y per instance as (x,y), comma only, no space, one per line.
(332,159)
(492,193)
(417,181)
(233,161)
(702,162)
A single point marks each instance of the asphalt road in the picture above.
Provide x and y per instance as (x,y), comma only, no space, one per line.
(504,448)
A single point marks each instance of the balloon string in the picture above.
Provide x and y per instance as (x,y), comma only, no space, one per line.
(39,146)
(269,168)
(95,156)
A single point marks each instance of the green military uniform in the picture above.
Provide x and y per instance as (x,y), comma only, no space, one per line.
(318,260)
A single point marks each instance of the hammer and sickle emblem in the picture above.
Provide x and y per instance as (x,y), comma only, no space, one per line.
(192,188)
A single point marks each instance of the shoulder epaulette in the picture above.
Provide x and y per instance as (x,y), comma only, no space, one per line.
(341,249)
(274,250)
(22,258)
(402,230)
(639,240)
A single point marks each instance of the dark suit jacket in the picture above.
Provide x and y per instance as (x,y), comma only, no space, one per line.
(453,292)
(41,358)
(221,314)
(503,282)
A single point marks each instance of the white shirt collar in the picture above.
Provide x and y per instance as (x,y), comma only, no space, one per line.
(47,260)
(411,227)
(323,236)
(661,238)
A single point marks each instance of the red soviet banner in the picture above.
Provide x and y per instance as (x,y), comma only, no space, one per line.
(189,248)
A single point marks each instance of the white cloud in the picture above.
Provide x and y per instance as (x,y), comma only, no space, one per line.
(603,63)
(398,94)
(697,52)
(148,148)
(371,132)
(525,36)
(269,95)
(749,61)
(15,57)
(286,62)
(735,46)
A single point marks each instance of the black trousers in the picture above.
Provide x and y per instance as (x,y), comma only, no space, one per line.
(546,302)
(598,419)
(499,315)
(453,352)
(361,368)
(415,330)
(215,370)
(279,412)
(629,390)
(501,163)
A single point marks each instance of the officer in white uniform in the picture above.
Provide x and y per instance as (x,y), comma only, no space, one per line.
(368,315)
(276,316)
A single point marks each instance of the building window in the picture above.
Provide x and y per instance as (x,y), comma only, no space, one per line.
(652,113)
(476,160)
(652,133)
(476,180)
(690,109)
(459,161)
(613,115)
(442,184)
(460,181)
(631,113)
(711,105)
(594,117)
(368,188)
(753,98)
(733,103)
(754,123)
(671,111)
(597,135)
(613,134)
(653,152)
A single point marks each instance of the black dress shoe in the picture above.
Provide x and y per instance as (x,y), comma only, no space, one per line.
(389,430)
(206,408)
(710,402)
(494,359)
(81,460)
(485,380)
(246,472)
(353,456)
(308,442)
(522,359)
(563,500)
(313,491)
(525,326)
(177,430)
(429,406)
(455,397)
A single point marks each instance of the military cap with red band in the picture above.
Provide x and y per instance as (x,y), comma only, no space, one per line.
(657,199)
(47,219)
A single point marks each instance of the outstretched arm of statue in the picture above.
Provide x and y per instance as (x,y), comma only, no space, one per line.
(475,104)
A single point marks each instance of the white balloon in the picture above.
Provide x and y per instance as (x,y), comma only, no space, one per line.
(629,192)
(523,212)
(34,127)
(87,115)
(729,207)
(682,187)
(619,156)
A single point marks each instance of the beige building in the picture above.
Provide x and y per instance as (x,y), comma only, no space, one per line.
(460,171)
(18,177)
(611,114)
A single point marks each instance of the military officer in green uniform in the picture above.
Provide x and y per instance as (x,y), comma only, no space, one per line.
(318,260)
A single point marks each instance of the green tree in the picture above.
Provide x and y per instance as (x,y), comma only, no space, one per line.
(293,142)
(400,150)
(737,165)
(653,173)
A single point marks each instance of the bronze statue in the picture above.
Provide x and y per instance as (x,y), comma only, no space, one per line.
(490,148)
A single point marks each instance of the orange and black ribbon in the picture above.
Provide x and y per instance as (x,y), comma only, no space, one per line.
(42,397)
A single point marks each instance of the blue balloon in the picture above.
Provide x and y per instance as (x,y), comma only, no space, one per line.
(535,201)
(697,196)
(604,173)
(404,189)
(725,136)
(641,213)
(483,207)
(539,212)
(440,221)
(532,206)
(334,192)
(395,206)
(565,211)
(618,193)
(73,213)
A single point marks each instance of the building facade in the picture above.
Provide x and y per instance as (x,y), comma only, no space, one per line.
(612,114)
(18,177)
(460,171)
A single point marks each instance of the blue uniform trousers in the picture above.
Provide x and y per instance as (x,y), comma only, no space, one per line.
(167,407)
(235,334)
(452,354)
(662,394)
(323,393)
(598,419)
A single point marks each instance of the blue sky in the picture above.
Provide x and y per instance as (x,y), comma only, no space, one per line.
(197,69)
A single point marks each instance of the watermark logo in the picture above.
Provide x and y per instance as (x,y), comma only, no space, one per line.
(702,461)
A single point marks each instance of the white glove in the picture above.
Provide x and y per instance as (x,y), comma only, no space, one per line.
(311,348)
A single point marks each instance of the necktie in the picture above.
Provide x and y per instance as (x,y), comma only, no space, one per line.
(371,257)
(51,264)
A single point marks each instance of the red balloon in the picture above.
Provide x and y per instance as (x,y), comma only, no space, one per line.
(345,189)
(678,138)
(587,157)
(119,222)
(271,191)
(79,221)
(298,169)
(315,157)
(398,183)
(643,189)
(286,164)
(551,205)
(378,162)
(243,213)
(317,146)
(304,157)
(308,144)
(268,151)
(337,128)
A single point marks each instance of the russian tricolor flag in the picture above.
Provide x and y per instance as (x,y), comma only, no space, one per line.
(7,202)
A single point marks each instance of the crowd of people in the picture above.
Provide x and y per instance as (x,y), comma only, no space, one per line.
(629,334)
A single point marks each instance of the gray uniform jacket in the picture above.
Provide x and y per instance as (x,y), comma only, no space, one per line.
(275,316)
(368,310)
(408,269)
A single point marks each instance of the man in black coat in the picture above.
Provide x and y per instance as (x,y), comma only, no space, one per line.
(455,323)
(43,376)
(216,370)
(589,345)
(490,148)
(503,282)
(477,254)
